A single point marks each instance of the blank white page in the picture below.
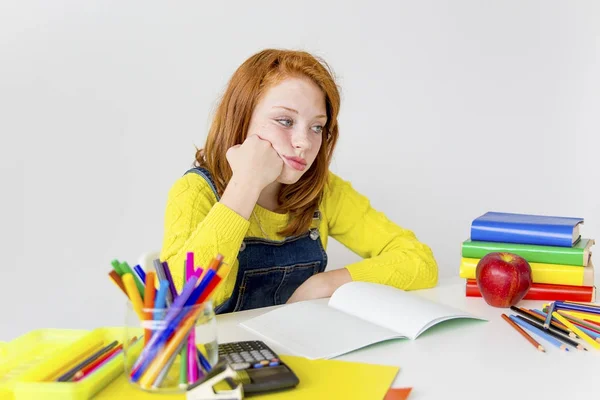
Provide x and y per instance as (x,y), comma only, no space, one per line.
(315,330)
(392,308)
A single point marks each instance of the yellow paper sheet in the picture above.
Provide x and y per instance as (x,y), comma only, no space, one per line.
(326,379)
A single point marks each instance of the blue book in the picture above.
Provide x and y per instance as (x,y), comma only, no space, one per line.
(526,229)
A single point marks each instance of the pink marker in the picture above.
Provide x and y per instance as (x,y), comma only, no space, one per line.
(189,265)
(192,365)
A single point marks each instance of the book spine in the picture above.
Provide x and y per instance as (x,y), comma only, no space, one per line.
(539,254)
(556,274)
(544,292)
(544,235)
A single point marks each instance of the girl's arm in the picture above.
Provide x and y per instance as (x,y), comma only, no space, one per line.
(391,254)
(196,222)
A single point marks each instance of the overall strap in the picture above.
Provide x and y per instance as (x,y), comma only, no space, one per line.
(203,172)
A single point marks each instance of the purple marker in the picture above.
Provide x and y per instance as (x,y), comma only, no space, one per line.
(169,277)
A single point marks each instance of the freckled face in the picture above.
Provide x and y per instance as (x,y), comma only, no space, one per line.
(292,115)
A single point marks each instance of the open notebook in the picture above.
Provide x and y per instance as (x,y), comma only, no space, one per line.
(357,315)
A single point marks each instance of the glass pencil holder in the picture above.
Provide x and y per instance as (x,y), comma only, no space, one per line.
(172,349)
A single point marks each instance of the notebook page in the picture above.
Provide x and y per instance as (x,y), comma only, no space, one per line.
(395,309)
(315,330)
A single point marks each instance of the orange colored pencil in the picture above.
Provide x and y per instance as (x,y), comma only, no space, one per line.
(215,263)
(149,295)
(117,281)
(525,334)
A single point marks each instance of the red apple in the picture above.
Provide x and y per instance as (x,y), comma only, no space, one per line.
(503,278)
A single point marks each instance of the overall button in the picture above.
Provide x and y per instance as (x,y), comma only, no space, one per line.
(314,234)
(243,246)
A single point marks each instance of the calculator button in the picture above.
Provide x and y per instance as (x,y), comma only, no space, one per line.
(273,363)
(257,355)
(264,363)
(275,360)
(258,365)
(266,353)
(240,366)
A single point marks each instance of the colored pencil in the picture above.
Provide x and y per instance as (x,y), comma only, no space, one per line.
(127,270)
(116,278)
(583,315)
(169,277)
(189,264)
(591,321)
(159,362)
(117,267)
(578,331)
(134,295)
(549,315)
(139,272)
(183,365)
(216,262)
(577,307)
(149,303)
(554,333)
(160,273)
(595,305)
(91,367)
(165,370)
(174,316)
(67,376)
(580,322)
(563,329)
(531,314)
(523,333)
(540,332)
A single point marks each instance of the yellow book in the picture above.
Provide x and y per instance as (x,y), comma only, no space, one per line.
(556,274)
(319,379)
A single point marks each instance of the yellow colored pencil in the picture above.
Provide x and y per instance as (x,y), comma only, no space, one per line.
(578,331)
(583,315)
(134,295)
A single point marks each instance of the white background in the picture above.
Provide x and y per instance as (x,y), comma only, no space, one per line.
(450,109)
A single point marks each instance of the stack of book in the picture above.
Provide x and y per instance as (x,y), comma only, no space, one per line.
(560,259)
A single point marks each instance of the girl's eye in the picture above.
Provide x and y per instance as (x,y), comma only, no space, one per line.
(318,129)
(286,122)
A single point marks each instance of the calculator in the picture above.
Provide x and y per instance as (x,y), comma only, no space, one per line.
(259,368)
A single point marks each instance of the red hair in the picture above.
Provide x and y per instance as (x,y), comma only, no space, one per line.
(232,119)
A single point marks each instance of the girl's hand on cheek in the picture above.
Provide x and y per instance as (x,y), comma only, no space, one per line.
(255,161)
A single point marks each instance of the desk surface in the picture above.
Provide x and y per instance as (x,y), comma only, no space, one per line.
(466,359)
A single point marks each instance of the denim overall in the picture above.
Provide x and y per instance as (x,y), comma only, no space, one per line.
(270,271)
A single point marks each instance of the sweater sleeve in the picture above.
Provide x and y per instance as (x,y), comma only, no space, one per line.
(196,222)
(391,254)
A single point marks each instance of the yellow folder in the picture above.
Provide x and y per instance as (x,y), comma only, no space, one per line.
(319,379)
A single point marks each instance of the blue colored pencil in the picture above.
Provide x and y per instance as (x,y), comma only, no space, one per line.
(539,332)
(140,273)
(577,307)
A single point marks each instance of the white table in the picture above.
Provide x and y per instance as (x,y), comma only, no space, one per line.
(467,359)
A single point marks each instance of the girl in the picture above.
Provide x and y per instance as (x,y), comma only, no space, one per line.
(261,194)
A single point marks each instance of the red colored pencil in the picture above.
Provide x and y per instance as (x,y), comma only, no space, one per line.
(90,368)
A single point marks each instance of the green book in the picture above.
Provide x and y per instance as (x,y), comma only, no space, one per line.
(577,255)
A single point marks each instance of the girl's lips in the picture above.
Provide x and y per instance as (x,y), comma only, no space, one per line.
(296,162)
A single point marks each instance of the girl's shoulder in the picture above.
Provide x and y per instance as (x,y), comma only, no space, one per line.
(194,186)
(338,189)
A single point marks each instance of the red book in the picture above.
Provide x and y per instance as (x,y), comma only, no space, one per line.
(542,291)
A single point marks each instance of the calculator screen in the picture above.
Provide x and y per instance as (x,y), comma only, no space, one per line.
(266,373)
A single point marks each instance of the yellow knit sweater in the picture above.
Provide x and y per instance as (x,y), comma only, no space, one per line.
(196,222)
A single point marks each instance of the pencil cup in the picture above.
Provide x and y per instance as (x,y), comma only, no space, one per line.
(175,347)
